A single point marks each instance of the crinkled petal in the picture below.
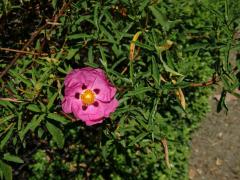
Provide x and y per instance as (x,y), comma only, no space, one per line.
(80,76)
(110,107)
(92,122)
(78,111)
(107,91)
(71,91)
(91,113)
(67,105)
(95,112)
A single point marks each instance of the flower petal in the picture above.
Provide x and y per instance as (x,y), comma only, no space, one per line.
(91,113)
(107,91)
(80,76)
(67,105)
(71,91)
(110,107)
(92,122)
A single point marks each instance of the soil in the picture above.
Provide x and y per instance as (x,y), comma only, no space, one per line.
(215,146)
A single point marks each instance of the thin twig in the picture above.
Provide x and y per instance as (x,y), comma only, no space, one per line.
(34,35)
(22,52)
(212,81)
(67,116)
(10,99)
(24,47)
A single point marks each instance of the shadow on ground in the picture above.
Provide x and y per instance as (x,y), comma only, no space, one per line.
(215,145)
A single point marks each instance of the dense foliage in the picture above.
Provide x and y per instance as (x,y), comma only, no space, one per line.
(163,57)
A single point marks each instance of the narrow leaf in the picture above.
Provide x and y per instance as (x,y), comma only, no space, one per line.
(51,100)
(12,158)
(58,118)
(4,119)
(132,45)
(56,133)
(6,170)
(6,138)
(139,91)
(80,36)
(33,107)
(155,71)
(138,138)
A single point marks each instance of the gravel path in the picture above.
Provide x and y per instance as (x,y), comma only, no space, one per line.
(216,145)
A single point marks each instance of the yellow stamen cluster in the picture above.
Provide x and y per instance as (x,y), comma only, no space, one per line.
(87,97)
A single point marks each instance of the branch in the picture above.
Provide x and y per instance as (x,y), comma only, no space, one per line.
(22,52)
(67,116)
(24,47)
(212,81)
(34,35)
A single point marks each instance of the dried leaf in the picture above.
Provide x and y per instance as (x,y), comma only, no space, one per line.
(180,96)
(132,45)
(165,146)
(167,45)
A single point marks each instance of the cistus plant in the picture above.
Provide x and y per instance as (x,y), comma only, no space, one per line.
(89,95)
(155,61)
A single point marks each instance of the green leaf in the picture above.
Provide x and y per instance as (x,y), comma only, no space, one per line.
(6,138)
(51,100)
(107,34)
(56,133)
(196,46)
(167,68)
(140,119)
(71,53)
(6,104)
(34,108)
(221,102)
(6,170)
(58,118)
(54,3)
(124,31)
(155,71)
(160,19)
(107,149)
(151,122)
(103,60)
(19,122)
(95,15)
(21,78)
(138,138)
(143,5)
(80,36)
(90,54)
(35,122)
(12,158)
(4,119)
(139,91)
(144,46)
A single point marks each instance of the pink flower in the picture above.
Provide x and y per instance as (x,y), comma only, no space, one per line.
(89,95)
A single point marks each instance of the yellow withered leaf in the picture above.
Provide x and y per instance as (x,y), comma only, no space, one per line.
(167,45)
(180,96)
(132,45)
(162,79)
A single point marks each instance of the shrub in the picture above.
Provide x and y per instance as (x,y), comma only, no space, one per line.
(161,55)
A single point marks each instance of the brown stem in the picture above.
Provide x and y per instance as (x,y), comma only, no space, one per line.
(22,52)
(212,81)
(24,47)
(34,35)
(67,116)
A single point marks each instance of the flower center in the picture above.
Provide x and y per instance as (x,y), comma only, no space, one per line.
(87,97)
